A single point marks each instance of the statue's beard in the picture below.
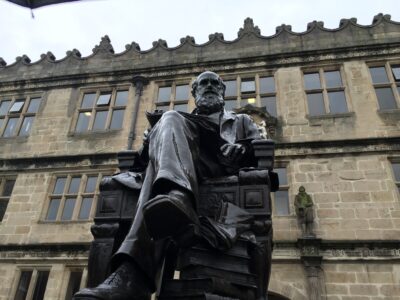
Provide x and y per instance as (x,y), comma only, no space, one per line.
(209,103)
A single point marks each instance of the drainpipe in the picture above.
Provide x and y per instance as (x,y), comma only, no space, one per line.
(139,82)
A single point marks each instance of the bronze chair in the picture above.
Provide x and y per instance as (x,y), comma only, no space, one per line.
(242,272)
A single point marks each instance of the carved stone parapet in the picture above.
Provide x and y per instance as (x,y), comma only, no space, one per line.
(216,35)
(249,27)
(3,63)
(189,39)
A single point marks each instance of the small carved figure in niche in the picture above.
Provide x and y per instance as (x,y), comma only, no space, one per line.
(304,211)
(262,127)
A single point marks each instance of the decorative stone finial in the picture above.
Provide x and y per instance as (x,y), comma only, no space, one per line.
(343,22)
(133,45)
(217,35)
(249,27)
(49,55)
(283,27)
(105,45)
(24,59)
(161,43)
(189,39)
(315,24)
(74,52)
(3,63)
(379,17)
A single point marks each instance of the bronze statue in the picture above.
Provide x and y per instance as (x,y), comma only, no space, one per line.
(181,150)
(304,211)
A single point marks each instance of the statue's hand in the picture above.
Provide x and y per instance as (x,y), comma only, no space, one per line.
(233,152)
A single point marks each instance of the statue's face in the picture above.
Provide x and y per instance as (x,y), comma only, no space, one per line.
(209,93)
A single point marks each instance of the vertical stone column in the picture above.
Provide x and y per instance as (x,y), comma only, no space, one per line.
(312,260)
(139,82)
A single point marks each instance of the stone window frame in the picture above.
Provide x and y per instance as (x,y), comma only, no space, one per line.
(282,188)
(20,115)
(392,83)
(396,181)
(33,281)
(111,107)
(4,198)
(69,269)
(172,102)
(326,90)
(79,196)
(256,96)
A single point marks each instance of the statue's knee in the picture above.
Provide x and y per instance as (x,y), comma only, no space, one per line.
(172,116)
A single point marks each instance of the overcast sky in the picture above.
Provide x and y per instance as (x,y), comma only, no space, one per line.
(80,25)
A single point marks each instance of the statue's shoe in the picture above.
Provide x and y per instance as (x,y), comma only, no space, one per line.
(126,283)
(169,215)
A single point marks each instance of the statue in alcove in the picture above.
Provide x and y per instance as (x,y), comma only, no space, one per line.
(305,212)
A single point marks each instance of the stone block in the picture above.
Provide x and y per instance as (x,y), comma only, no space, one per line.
(327,213)
(363,289)
(368,234)
(366,213)
(355,197)
(351,175)
(327,198)
(390,290)
(382,196)
(380,224)
(337,289)
(369,165)
(366,186)
(340,277)
(347,213)
(354,224)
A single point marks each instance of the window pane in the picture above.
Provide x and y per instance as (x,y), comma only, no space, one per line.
(17,106)
(23,285)
(122,98)
(10,128)
(333,79)
(104,99)
(88,100)
(26,126)
(117,119)
(53,209)
(337,102)
(4,106)
(83,121)
(162,107)
(385,98)
(86,205)
(74,283)
(316,104)
(164,94)
(281,203)
(182,92)
(396,171)
(34,105)
(68,209)
(379,75)
(74,185)
(251,101)
(59,187)
(270,104)
(40,287)
(181,107)
(230,104)
(3,208)
(248,86)
(267,85)
(312,81)
(396,73)
(91,184)
(100,120)
(282,175)
(230,88)
(8,188)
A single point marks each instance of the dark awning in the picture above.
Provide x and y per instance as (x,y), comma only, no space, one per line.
(38,3)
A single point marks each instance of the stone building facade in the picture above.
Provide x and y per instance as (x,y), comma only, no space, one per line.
(334,95)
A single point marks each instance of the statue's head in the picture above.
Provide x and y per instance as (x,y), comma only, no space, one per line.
(208,91)
(302,189)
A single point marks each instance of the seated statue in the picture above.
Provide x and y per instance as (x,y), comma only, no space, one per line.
(181,150)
